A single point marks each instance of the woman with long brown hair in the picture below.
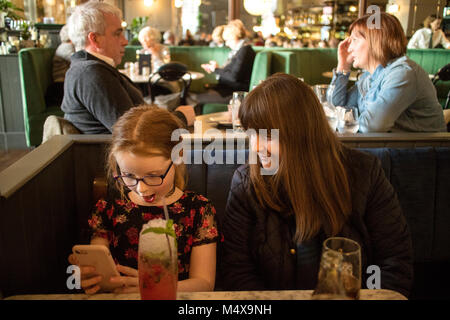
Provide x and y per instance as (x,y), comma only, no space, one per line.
(274,225)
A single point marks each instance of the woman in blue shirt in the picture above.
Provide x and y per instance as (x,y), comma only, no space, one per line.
(394,93)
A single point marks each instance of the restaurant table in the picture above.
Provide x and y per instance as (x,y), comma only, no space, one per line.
(139,78)
(208,127)
(365,294)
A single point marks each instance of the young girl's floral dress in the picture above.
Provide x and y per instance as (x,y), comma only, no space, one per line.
(120,222)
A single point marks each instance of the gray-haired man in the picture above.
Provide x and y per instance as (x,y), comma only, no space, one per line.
(96,94)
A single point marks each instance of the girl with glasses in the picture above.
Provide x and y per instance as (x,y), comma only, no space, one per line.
(139,161)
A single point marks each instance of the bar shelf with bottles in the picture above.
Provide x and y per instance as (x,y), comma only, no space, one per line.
(321,22)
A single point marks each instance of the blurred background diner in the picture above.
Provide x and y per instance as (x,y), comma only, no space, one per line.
(190,32)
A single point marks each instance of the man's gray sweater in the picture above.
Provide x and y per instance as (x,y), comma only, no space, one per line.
(96,94)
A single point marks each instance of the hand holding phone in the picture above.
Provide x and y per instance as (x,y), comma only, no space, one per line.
(99,258)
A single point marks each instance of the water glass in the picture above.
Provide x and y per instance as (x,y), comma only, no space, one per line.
(347,120)
(236,101)
(165,53)
(329,94)
(340,270)
(146,71)
(330,113)
(321,92)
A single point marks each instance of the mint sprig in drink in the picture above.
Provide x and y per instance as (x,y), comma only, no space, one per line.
(158,261)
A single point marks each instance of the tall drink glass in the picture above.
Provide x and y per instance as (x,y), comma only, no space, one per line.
(158,261)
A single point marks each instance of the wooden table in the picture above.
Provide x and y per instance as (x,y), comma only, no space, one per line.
(207,130)
(216,295)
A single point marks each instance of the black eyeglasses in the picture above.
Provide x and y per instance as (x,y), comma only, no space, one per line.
(151,181)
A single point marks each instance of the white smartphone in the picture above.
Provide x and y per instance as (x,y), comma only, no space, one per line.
(99,257)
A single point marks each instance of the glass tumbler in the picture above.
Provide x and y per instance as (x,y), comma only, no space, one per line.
(236,101)
(340,270)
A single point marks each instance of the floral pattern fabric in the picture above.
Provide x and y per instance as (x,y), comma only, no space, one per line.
(120,222)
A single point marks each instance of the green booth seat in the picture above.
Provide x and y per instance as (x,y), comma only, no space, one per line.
(262,68)
(35,68)
(214,107)
(431,60)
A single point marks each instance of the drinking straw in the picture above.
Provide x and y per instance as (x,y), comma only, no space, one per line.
(166,214)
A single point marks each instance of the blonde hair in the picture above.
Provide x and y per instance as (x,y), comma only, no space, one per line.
(386,42)
(217,34)
(429,20)
(234,29)
(146,131)
(151,33)
(311,179)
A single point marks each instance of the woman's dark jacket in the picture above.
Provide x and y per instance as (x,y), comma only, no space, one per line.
(259,252)
(235,76)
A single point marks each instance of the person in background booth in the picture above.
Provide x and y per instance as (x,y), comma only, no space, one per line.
(394,93)
(169,38)
(96,94)
(139,160)
(217,39)
(430,36)
(61,63)
(150,39)
(274,225)
(236,73)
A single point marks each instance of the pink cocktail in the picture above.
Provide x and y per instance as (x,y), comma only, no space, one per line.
(156,281)
(157,261)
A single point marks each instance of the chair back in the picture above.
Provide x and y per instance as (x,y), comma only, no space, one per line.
(172,71)
(35,67)
(55,125)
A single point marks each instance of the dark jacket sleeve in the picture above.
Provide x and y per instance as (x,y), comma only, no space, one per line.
(238,268)
(237,73)
(389,234)
(103,94)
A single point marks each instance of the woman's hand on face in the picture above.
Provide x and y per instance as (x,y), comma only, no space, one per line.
(129,280)
(89,280)
(345,59)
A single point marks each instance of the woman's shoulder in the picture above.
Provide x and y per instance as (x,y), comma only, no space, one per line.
(242,174)
(359,161)
(401,68)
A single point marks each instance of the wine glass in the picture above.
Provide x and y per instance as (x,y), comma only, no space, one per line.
(340,270)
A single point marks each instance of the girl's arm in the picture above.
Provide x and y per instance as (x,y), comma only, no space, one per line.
(202,272)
